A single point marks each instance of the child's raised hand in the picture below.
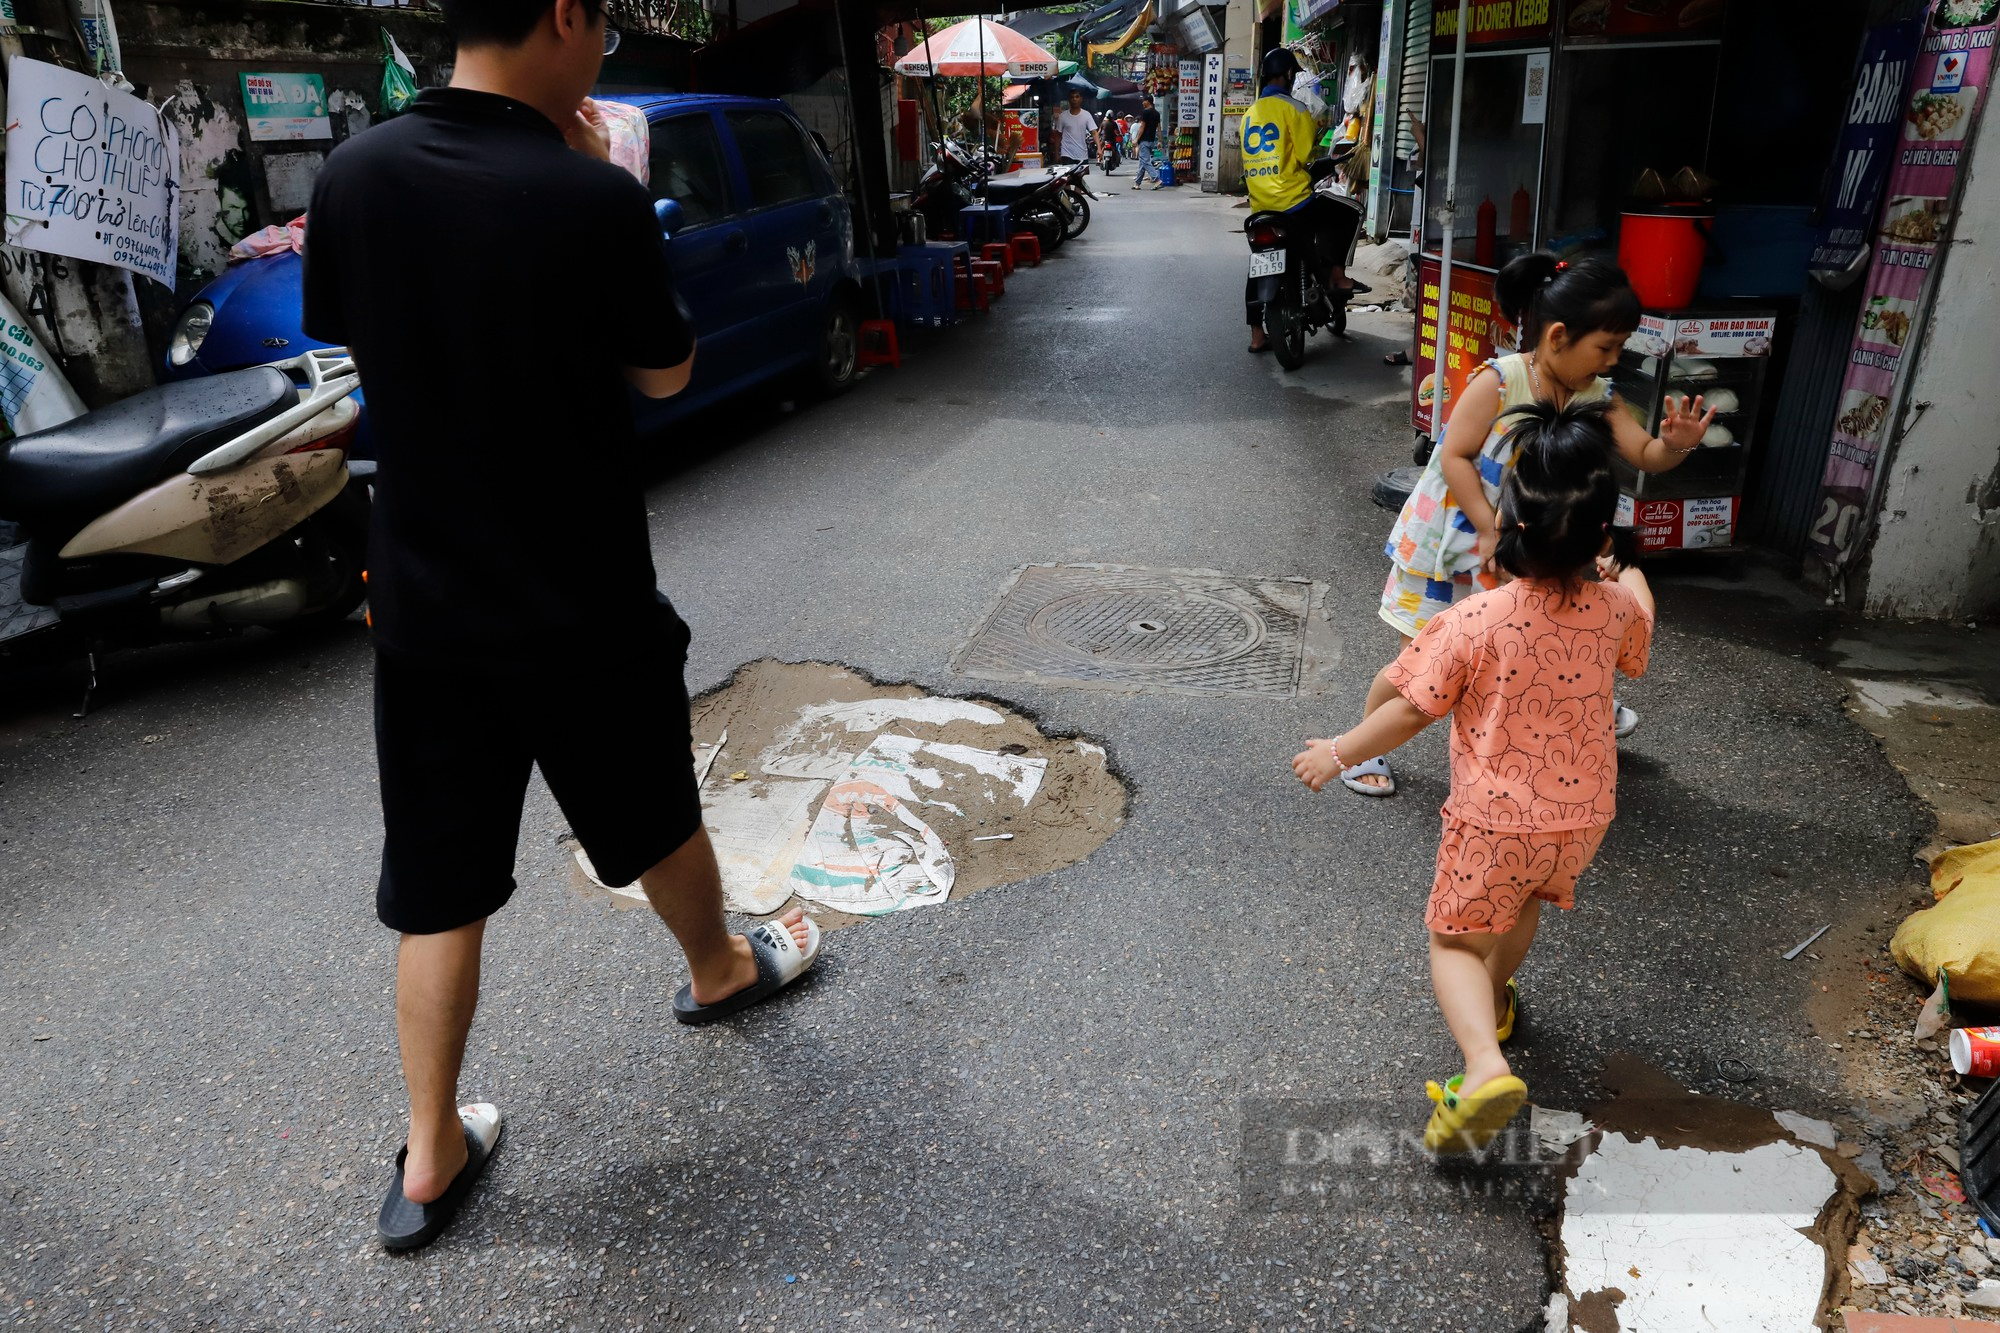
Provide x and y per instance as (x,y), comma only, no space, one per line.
(1685,423)
(1315,765)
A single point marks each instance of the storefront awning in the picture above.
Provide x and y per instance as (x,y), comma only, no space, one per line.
(1118,39)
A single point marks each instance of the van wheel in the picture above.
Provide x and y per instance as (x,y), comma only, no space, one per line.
(839,353)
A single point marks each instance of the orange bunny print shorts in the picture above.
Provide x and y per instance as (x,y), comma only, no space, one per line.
(1485,876)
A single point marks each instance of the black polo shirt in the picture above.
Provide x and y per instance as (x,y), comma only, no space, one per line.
(492,283)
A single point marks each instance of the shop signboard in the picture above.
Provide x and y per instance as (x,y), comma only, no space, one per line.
(1188,100)
(286,107)
(1867,146)
(1682,525)
(92,172)
(1211,120)
(1239,89)
(1475,333)
(1493,21)
(1679,20)
(1953,74)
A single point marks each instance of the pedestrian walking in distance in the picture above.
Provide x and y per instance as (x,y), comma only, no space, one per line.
(1146,145)
(1525,673)
(1574,317)
(515,617)
(1075,132)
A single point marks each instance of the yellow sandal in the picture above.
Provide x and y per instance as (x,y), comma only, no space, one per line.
(1468,1122)
(1506,1028)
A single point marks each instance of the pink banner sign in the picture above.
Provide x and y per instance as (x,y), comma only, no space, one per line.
(1952,79)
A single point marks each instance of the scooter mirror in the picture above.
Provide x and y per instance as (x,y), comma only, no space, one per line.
(671,216)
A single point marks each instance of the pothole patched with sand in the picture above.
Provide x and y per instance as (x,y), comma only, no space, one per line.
(827,790)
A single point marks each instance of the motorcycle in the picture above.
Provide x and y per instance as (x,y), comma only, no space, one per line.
(1050,205)
(1286,268)
(186,511)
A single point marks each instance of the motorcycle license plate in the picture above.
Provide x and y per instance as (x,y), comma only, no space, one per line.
(1267,263)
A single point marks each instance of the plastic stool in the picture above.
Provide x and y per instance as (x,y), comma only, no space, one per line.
(878,344)
(990,277)
(1027,248)
(1000,254)
(972,294)
(980,223)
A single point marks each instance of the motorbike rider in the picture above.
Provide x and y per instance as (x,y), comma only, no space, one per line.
(1278,138)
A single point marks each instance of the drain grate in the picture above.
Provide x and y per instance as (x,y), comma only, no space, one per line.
(1167,630)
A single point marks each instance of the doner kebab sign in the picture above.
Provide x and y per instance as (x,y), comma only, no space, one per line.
(92,172)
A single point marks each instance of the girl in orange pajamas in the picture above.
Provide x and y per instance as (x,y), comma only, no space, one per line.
(1525,672)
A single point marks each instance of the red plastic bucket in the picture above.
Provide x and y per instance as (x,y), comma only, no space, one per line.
(1662,253)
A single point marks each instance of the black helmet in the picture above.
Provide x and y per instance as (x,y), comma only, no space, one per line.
(1280,64)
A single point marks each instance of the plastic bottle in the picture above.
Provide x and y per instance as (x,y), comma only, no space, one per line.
(1484,246)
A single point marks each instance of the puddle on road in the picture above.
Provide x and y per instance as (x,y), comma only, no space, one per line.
(833,790)
(1681,1206)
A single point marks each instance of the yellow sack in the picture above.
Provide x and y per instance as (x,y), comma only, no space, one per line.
(1962,933)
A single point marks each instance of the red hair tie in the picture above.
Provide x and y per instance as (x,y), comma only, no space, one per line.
(1561,264)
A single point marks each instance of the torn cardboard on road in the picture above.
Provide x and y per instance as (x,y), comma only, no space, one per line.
(1688,1207)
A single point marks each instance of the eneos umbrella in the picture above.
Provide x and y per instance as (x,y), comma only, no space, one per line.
(975,48)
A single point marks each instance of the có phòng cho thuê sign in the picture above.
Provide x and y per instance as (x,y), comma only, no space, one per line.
(92,173)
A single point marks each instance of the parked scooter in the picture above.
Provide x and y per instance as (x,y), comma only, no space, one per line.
(1050,205)
(1287,268)
(185,511)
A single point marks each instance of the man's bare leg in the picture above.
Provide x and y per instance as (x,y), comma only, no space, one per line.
(686,891)
(437,989)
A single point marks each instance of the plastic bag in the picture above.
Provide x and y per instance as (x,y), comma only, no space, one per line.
(399,77)
(631,140)
(1962,933)
(271,241)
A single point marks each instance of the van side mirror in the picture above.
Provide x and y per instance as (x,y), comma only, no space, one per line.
(672,217)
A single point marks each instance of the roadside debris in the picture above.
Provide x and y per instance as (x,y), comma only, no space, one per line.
(1961,933)
(857,799)
(1683,1205)
(1806,943)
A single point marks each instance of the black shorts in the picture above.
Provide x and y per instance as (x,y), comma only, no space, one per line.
(609,730)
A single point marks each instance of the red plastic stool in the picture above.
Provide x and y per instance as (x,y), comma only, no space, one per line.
(1000,254)
(990,277)
(1027,249)
(972,294)
(878,344)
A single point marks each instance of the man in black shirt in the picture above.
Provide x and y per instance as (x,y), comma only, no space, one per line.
(1146,149)
(500,284)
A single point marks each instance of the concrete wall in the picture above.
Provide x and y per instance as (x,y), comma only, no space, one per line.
(1937,549)
(195,52)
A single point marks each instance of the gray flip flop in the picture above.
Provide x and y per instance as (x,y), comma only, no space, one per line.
(1376,767)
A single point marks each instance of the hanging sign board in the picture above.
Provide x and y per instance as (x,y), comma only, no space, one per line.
(1493,21)
(1953,76)
(1211,121)
(92,173)
(1187,103)
(1867,146)
(286,107)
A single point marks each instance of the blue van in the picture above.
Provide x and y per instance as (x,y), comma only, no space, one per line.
(757,230)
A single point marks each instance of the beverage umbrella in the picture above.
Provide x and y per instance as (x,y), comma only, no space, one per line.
(977,48)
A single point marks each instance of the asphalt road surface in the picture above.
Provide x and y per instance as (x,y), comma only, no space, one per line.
(1061,1104)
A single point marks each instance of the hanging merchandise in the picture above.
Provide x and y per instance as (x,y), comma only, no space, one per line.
(399,77)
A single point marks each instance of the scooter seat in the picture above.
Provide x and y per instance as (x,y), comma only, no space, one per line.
(103,458)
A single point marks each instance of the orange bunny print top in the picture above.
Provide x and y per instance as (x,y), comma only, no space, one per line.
(1526,672)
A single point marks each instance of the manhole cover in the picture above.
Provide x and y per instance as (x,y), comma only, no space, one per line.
(1144,629)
